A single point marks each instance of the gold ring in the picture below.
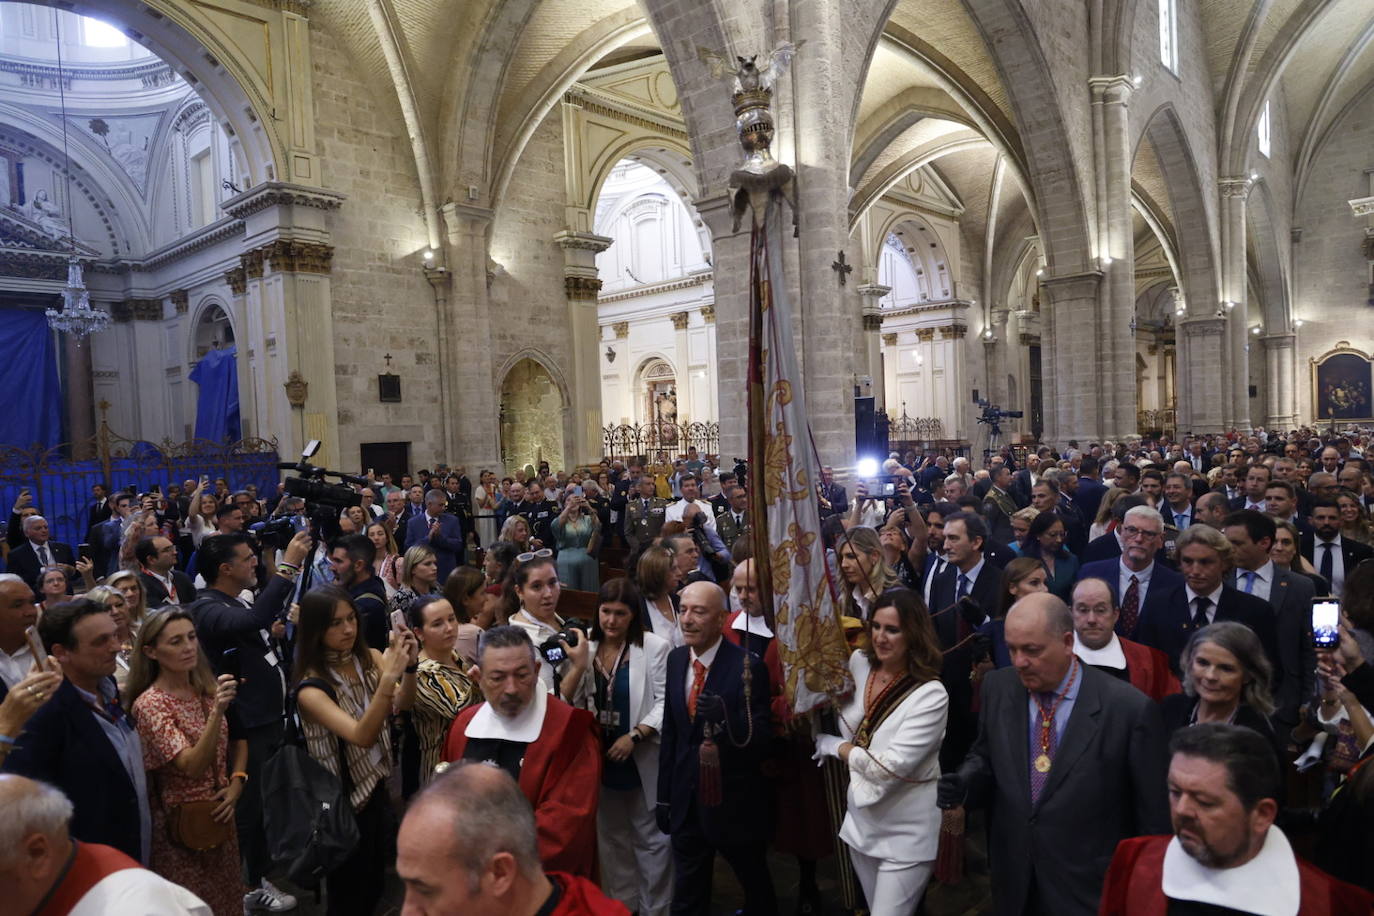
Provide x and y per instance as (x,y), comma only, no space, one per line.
(39,694)
(31,691)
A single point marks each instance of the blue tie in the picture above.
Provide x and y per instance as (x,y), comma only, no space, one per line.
(1180,521)
(963,587)
(1249,582)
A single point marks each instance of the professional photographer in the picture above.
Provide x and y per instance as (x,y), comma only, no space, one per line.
(244,640)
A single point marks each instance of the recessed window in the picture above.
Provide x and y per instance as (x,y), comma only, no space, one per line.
(1168,34)
(1262,129)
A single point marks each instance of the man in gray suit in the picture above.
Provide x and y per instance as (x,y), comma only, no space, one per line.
(1071,761)
(1290,594)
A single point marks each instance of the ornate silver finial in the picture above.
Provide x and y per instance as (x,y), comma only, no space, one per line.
(761,176)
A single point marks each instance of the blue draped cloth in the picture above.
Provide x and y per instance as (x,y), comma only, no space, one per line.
(28,377)
(217,406)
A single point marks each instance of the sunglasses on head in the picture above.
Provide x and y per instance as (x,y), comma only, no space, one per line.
(533,554)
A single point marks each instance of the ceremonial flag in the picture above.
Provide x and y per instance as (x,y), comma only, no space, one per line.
(789,553)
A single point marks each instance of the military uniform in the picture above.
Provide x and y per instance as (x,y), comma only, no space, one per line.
(728,529)
(643,519)
(998,508)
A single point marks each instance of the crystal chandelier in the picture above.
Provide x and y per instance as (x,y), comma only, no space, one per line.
(77,317)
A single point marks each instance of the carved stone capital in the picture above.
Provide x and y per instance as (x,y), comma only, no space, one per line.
(237,280)
(251,262)
(1203,326)
(890,340)
(873,290)
(1236,187)
(134,309)
(952,331)
(297,389)
(708,314)
(621,329)
(1362,206)
(873,322)
(1111,89)
(582,241)
(289,256)
(1030,340)
(582,289)
(925,335)
(181,300)
(680,320)
(279,193)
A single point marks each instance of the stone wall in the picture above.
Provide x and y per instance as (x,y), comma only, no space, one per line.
(381,301)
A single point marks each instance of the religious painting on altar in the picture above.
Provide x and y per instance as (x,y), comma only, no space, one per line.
(1343,385)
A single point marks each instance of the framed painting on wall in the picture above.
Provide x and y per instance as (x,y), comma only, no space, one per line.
(1343,384)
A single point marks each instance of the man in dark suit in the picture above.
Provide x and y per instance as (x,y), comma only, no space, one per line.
(1090,488)
(1140,586)
(162,582)
(37,552)
(1108,546)
(999,507)
(440,531)
(1252,492)
(99,508)
(706,695)
(1290,595)
(1205,556)
(82,741)
(833,499)
(1070,760)
(1335,556)
(967,572)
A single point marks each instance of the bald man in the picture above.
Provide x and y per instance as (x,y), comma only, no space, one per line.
(708,809)
(1071,760)
(44,867)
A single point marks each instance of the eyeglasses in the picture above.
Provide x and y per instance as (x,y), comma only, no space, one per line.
(534,554)
(1131,531)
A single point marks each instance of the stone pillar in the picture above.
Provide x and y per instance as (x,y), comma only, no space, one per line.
(730,278)
(1202,389)
(1281,405)
(682,359)
(870,294)
(1116,256)
(625,376)
(1076,406)
(582,286)
(1234,192)
(441,280)
(474,432)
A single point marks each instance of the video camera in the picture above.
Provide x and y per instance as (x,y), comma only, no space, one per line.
(323,500)
(994,415)
(552,650)
(741,472)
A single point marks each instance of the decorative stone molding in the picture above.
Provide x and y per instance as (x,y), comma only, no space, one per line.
(251,262)
(619,108)
(680,320)
(288,256)
(181,300)
(873,290)
(873,322)
(1236,187)
(1030,340)
(621,329)
(134,309)
(105,375)
(925,335)
(890,340)
(237,280)
(297,389)
(708,314)
(582,289)
(1368,247)
(1114,90)
(299,7)
(687,282)
(584,241)
(1203,326)
(205,237)
(280,193)
(34,266)
(1362,206)
(952,331)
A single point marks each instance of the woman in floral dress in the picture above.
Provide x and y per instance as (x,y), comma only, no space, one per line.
(179,707)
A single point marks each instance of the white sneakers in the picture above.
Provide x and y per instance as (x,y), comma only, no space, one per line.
(267,899)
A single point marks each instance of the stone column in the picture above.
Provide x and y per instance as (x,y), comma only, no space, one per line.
(730,279)
(1116,256)
(582,286)
(1234,192)
(870,294)
(1281,405)
(1075,408)
(686,410)
(625,376)
(441,280)
(1202,389)
(474,432)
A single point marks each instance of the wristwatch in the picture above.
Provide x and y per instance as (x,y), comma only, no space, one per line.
(636,736)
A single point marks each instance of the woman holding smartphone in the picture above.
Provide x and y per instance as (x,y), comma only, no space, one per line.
(576,533)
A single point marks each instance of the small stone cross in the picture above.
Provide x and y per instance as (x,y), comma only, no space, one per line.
(841,268)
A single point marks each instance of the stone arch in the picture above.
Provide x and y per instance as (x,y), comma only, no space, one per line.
(210,310)
(658,151)
(211,63)
(908,162)
(925,263)
(1192,224)
(528,388)
(1266,262)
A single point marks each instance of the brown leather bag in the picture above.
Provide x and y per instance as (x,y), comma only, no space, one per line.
(191,825)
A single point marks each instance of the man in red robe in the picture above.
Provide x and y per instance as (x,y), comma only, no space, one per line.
(551,749)
(1226,855)
(468,845)
(1096,643)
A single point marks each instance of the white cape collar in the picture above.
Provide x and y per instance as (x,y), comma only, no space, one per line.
(754,625)
(524,728)
(1267,885)
(1109,656)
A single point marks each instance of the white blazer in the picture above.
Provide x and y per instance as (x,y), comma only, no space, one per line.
(648,674)
(888,817)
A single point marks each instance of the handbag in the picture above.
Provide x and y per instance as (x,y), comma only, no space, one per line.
(192,825)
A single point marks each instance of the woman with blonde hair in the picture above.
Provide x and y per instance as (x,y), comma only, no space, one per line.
(179,707)
(142,524)
(865,572)
(135,597)
(1354,518)
(516,531)
(1104,521)
(1021,521)
(658,587)
(419,576)
(113,600)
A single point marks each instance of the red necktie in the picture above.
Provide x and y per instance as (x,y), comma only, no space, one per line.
(698,682)
(1130,609)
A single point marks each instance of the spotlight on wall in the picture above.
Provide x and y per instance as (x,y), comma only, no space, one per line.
(987,335)
(429,254)
(1135,80)
(1106,260)
(1255,330)
(1040,272)
(1298,323)
(1254,176)
(1228,305)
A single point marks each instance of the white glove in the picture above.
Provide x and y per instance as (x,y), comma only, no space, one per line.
(827,746)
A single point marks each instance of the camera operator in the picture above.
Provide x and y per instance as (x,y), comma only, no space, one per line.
(244,640)
(871,511)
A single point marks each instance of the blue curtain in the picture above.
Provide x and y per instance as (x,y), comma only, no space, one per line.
(217,406)
(28,377)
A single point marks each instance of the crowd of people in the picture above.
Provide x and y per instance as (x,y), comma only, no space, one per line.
(1102,658)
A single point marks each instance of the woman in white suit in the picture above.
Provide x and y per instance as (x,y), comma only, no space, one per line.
(624,687)
(891,728)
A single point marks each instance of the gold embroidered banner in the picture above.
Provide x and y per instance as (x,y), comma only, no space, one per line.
(783,471)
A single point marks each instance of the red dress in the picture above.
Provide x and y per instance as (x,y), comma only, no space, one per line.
(167,725)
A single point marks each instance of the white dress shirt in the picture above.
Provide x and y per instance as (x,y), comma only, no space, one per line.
(1142,580)
(675,512)
(1337,561)
(1264,580)
(1211,611)
(15,667)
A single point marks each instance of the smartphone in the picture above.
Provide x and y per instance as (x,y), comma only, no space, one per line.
(1326,622)
(84,551)
(398,621)
(229,663)
(157,488)
(577,490)
(40,655)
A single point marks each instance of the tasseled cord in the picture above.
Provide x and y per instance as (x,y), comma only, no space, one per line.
(949,861)
(708,771)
